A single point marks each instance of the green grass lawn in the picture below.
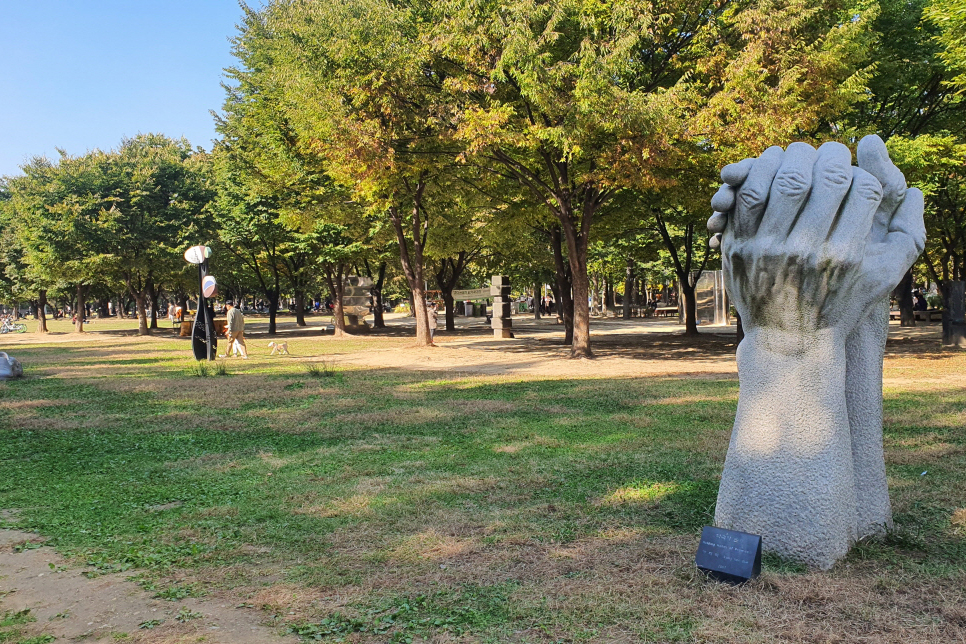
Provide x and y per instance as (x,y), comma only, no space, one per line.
(383,505)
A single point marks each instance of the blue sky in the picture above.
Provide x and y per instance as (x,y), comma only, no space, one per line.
(83,74)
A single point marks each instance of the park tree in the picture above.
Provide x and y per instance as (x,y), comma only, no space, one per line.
(362,90)
(912,92)
(17,281)
(158,206)
(949,18)
(105,216)
(937,165)
(578,101)
(58,209)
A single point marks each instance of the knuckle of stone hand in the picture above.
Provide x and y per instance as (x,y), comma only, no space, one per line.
(752,197)
(836,176)
(869,189)
(791,183)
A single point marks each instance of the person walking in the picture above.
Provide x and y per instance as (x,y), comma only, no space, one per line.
(433,322)
(235,330)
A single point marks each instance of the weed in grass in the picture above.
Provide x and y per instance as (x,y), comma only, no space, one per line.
(17,619)
(221,368)
(200,369)
(455,612)
(151,623)
(185,615)
(320,370)
(174,593)
(10,631)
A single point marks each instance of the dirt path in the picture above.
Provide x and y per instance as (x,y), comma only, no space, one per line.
(69,606)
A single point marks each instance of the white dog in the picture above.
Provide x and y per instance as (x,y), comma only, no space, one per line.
(281,348)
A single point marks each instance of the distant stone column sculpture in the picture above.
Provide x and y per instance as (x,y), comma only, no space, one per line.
(811,247)
(502,321)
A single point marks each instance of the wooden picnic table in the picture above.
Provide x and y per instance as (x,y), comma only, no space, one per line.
(666,311)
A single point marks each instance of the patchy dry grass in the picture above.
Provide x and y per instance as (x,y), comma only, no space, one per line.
(385,505)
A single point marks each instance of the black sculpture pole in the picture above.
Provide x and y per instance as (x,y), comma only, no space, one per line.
(204,343)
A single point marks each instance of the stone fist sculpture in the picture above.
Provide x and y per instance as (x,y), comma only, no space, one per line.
(811,247)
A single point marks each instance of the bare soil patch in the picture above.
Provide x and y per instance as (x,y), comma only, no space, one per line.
(110,608)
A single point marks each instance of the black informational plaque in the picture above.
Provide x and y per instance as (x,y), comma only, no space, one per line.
(729,556)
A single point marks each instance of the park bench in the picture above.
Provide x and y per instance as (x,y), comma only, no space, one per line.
(925,316)
(665,311)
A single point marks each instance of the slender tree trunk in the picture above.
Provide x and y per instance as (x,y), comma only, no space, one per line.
(450,310)
(41,311)
(140,301)
(102,309)
(80,308)
(629,282)
(300,308)
(338,311)
(378,317)
(272,311)
(907,314)
(690,308)
(412,265)
(333,278)
(154,293)
(447,277)
(577,252)
(564,290)
(580,347)
(536,300)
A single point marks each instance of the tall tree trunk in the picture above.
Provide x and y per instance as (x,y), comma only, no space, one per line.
(564,290)
(378,318)
(140,297)
(80,308)
(154,294)
(683,271)
(450,310)
(412,264)
(536,300)
(690,308)
(907,314)
(333,278)
(103,310)
(580,347)
(42,311)
(447,277)
(609,296)
(272,296)
(140,301)
(300,307)
(629,282)
(580,281)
